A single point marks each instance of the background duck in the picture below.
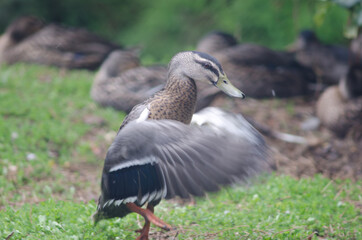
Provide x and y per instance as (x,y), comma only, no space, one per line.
(329,62)
(339,108)
(261,72)
(53,44)
(156,154)
(122,82)
(19,30)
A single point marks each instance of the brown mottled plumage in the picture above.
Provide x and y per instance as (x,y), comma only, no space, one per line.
(176,101)
(340,107)
(180,107)
(52,44)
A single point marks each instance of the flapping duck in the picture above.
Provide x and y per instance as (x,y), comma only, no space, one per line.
(157,154)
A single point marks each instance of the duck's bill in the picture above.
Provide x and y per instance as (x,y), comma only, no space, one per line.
(225,85)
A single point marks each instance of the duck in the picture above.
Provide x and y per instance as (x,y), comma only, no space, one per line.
(339,107)
(329,62)
(29,40)
(260,71)
(122,82)
(157,154)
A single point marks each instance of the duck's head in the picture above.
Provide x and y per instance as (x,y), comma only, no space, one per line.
(23,27)
(305,39)
(308,36)
(215,41)
(201,67)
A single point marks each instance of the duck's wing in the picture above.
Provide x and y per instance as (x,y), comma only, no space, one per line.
(165,158)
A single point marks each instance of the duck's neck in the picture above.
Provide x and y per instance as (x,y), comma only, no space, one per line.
(180,84)
(177,101)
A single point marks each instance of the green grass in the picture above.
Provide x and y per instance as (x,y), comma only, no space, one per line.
(276,208)
(49,124)
(44,116)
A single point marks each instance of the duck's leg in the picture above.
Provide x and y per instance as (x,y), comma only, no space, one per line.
(146,228)
(144,231)
(149,217)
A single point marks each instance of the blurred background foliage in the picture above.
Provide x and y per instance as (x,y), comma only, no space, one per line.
(164,27)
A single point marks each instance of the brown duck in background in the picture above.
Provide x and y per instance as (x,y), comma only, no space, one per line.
(29,40)
(329,62)
(339,108)
(122,83)
(261,72)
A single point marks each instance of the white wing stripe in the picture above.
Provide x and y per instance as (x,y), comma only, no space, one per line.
(134,162)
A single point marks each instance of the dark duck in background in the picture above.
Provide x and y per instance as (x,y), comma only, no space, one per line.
(329,62)
(259,71)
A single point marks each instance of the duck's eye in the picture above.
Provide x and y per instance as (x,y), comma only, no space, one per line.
(225,82)
(207,65)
